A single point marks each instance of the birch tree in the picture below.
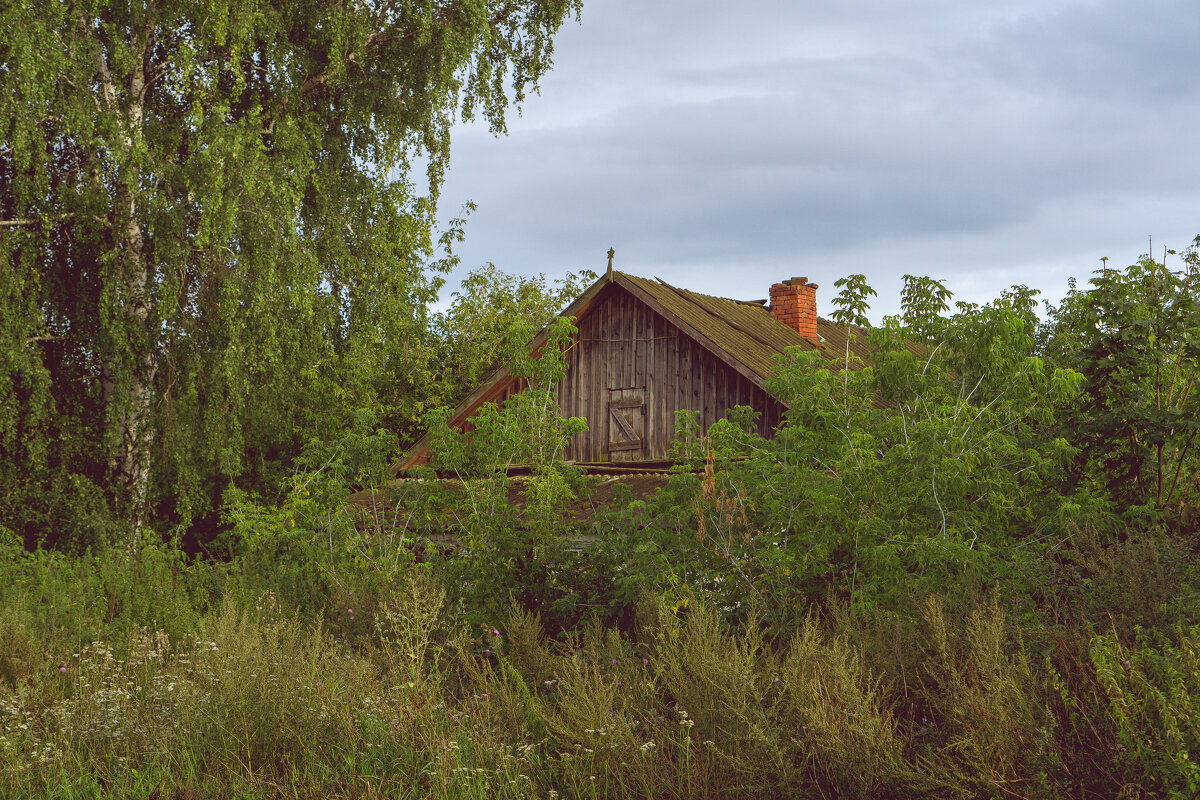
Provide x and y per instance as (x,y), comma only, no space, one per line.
(201,200)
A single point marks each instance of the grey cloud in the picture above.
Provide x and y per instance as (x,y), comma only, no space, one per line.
(1144,53)
(703,139)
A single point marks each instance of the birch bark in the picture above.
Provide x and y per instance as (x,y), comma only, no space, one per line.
(128,382)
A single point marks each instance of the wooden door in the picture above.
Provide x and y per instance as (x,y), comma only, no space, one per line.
(626,424)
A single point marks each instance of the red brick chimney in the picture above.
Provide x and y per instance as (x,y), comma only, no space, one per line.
(794,303)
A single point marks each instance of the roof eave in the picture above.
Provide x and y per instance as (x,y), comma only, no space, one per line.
(414,455)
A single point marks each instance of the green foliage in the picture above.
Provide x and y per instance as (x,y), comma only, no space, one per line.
(489,319)
(1135,336)
(219,696)
(60,508)
(851,303)
(1120,579)
(983,718)
(1153,691)
(512,528)
(852,745)
(311,543)
(283,690)
(19,655)
(406,624)
(924,300)
(105,594)
(215,236)
(527,430)
(897,595)
(931,469)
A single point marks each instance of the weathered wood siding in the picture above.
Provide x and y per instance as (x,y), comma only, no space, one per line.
(623,346)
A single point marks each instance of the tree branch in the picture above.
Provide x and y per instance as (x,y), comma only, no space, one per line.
(33,223)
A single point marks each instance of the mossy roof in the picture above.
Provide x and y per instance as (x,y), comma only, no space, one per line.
(743,333)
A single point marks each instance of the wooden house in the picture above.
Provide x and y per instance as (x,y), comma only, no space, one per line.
(645,350)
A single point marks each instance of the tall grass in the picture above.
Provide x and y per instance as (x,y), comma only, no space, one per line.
(175,689)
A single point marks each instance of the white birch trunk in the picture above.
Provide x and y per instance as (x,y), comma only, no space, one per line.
(129,387)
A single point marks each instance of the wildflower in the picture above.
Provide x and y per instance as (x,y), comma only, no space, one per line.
(495,632)
(645,661)
(614,662)
(64,669)
(487,652)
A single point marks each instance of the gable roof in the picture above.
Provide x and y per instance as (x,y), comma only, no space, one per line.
(743,334)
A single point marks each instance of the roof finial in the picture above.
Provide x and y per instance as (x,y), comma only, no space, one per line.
(611,253)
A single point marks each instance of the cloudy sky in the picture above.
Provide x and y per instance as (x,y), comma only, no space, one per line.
(724,146)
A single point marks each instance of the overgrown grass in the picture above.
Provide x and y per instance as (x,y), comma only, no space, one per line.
(149,677)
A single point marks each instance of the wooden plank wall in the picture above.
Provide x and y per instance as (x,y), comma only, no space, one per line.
(623,344)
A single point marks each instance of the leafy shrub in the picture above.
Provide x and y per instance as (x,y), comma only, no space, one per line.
(846,738)
(275,693)
(985,725)
(19,652)
(1153,692)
